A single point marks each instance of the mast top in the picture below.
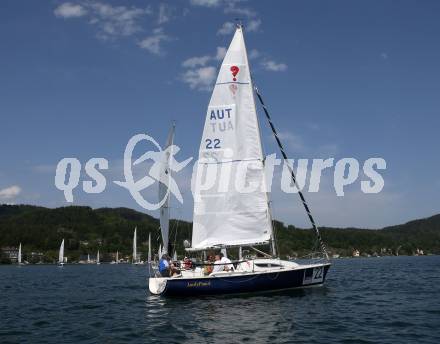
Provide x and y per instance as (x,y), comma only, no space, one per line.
(238,23)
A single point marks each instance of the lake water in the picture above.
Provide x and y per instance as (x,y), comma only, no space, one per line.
(371,300)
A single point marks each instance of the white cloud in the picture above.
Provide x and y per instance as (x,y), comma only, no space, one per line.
(241,11)
(111,21)
(165,13)
(221,52)
(274,66)
(69,10)
(117,20)
(200,78)
(295,143)
(226,29)
(196,61)
(10,192)
(199,75)
(253,25)
(206,3)
(253,54)
(153,42)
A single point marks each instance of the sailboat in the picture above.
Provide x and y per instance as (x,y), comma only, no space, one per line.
(61,254)
(88,258)
(135,259)
(19,257)
(149,249)
(97,259)
(225,218)
(116,261)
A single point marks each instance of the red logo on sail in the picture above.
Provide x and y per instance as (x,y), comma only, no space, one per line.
(234,70)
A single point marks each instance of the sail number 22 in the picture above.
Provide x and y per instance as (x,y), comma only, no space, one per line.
(212,144)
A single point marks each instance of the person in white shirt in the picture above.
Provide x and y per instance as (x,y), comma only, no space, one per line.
(227,261)
(221,263)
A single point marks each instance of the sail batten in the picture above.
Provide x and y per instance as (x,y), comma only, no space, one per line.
(228,214)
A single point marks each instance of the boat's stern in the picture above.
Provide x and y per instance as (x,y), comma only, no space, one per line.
(157,285)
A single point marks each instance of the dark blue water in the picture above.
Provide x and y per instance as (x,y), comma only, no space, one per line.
(373,300)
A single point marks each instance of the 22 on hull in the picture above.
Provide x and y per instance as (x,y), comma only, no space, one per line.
(252,282)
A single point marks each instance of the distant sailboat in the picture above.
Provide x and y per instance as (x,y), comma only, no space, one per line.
(61,254)
(88,258)
(19,258)
(232,218)
(135,259)
(97,259)
(116,261)
(149,249)
(175,256)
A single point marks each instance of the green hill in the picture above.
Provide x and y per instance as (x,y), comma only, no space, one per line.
(85,230)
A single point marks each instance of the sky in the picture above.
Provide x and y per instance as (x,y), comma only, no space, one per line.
(342,79)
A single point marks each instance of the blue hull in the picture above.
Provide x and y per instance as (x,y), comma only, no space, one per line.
(250,283)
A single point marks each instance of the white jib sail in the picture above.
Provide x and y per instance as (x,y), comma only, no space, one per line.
(19,255)
(61,253)
(164,193)
(234,209)
(135,246)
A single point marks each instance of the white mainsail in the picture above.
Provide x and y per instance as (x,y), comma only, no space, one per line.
(88,258)
(164,193)
(61,253)
(227,214)
(19,255)
(117,257)
(135,246)
(97,258)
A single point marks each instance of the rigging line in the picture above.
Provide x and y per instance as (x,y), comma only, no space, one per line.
(292,174)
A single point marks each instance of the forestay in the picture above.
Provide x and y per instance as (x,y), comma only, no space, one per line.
(234,209)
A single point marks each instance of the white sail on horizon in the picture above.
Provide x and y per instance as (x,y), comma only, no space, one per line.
(97,258)
(223,215)
(61,253)
(19,255)
(149,248)
(117,257)
(135,246)
(164,193)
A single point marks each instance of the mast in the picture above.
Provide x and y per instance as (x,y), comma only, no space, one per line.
(164,192)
